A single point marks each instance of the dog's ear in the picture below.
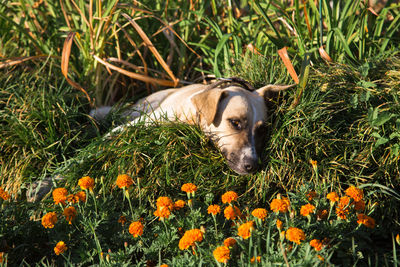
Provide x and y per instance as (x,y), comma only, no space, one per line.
(206,103)
(272,88)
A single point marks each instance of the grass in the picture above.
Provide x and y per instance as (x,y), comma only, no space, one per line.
(347,120)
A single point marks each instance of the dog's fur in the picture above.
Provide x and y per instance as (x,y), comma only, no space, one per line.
(233,116)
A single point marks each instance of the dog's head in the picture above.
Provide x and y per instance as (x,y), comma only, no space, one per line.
(235,119)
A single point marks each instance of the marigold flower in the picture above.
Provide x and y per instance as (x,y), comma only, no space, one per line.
(1,257)
(122,219)
(342,209)
(280,205)
(4,195)
(189,238)
(229,242)
(295,235)
(333,197)
(253,260)
(124,180)
(214,209)
(279,224)
(245,229)
(70,214)
(162,213)
(231,213)
(316,244)
(398,239)
(72,198)
(305,210)
(60,195)
(179,204)
(164,265)
(322,214)
(165,202)
(259,213)
(320,258)
(229,196)
(86,183)
(81,196)
(366,220)
(359,205)
(136,229)
(60,248)
(222,254)
(49,220)
(311,195)
(189,188)
(355,193)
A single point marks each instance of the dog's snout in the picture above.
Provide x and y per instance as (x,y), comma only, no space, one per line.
(250,165)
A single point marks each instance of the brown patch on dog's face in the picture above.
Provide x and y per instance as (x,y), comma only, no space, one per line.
(238,128)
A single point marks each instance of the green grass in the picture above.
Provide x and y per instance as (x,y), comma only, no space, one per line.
(347,120)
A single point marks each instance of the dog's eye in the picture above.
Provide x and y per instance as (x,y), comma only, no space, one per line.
(235,124)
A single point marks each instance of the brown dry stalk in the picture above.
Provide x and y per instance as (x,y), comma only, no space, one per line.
(19,60)
(288,64)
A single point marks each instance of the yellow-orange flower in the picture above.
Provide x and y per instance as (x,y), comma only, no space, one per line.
(70,214)
(1,257)
(316,244)
(214,209)
(164,265)
(229,196)
(122,219)
(366,220)
(136,229)
(333,197)
(179,204)
(305,210)
(245,229)
(259,213)
(253,260)
(295,235)
(123,180)
(60,195)
(60,248)
(342,209)
(322,214)
(355,193)
(279,224)
(165,202)
(359,205)
(189,238)
(189,188)
(81,196)
(162,212)
(86,183)
(49,220)
(311,195)
(229,242)
(4,195)
(280,205)
(222,254)
(320,258)
(231,213)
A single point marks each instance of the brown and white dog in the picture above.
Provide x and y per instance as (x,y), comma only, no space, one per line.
(233,116)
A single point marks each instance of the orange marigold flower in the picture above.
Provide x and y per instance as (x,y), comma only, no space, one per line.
(164,265)
(231,213)
(73,198)
(60,248)
(253,260)
(366,220)
(245,229)
(60,195)
(305,210)
(342,209)
(333,197)
(179,204)
(123,180)
(162,213)
(136,229)
(1,257)
(49,220)
(259,213)
(280,205)
(81,196)
(189,238)
(355,193)
(229,196)
(316,244)
(4,195)
(279,224)
(122,219)
(229,242)
(311,195)
(322,214)
(189,188)
(320,258)
(86,183)
(295,235)
(222,254)
(359,205)
(342,213)
(165,202)
(214,209)
(70,214)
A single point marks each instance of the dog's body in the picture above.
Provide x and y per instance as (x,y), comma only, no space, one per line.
(233,117)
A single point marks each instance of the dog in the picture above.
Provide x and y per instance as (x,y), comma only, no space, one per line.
(230,112)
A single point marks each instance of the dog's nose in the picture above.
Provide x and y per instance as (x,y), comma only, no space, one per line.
(250,165)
